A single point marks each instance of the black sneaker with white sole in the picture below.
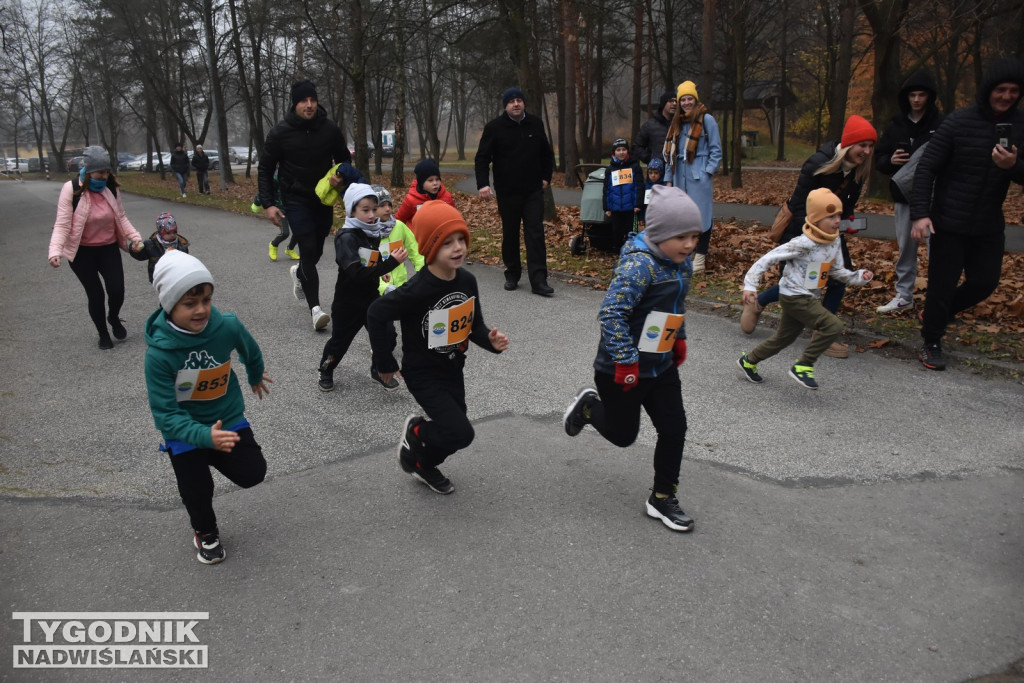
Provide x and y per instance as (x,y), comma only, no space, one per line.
(930,356)
(433,479)
(210,551)
(577,415)
(669,512)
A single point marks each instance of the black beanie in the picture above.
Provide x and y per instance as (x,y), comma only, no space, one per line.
(301,91)
(511,94)
(1007,70)
(423,170)
(663,100)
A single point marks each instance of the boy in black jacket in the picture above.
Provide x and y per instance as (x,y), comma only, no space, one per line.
(357,251)
(439,310)
(906,133)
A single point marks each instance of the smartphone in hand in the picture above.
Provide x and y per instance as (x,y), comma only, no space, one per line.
(1004,131)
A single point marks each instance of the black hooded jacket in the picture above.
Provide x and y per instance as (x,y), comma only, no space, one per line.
(300,151)
(903,129)
(969,189)
(650,139)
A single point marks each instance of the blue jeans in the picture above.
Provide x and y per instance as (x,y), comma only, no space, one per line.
(182,179)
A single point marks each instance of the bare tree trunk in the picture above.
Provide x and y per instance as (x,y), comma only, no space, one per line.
(217,93)
(739,40)
(398,160)
(638,65)
(839,88)
(570,153)
(707,54)
(780,121)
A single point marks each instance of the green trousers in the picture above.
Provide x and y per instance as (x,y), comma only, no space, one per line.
(799,312)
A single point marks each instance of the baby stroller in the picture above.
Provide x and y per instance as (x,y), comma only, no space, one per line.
(597,229)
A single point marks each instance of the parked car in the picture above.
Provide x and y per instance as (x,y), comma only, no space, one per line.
(238,155)
(352,149)
(124,158)
(33,165)
(75,164)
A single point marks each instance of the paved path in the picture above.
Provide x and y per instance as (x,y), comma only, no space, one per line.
(871,530)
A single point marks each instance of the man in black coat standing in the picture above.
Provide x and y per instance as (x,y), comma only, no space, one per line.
(908,131)
(959,188)
(649,141)
(515,143)
(300,150)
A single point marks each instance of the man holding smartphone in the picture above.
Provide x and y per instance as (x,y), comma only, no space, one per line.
(957,201)
(918,119)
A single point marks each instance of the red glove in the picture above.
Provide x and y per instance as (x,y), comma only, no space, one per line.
(679,352)
(627,375)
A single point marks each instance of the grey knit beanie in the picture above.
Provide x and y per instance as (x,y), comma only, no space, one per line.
(175,273)
(96,159)
(670,212)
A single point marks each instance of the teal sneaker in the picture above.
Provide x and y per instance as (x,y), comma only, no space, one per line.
(804,374)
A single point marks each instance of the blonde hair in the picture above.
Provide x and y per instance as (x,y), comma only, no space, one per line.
(836,163)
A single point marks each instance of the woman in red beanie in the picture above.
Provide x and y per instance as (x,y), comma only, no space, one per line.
(841,166)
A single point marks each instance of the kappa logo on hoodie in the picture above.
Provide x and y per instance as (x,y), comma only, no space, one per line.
(202,378)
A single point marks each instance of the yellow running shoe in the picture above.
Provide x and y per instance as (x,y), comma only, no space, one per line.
(292,254)
(273,252)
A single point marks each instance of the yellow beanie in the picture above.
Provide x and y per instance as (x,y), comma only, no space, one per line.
(687,88)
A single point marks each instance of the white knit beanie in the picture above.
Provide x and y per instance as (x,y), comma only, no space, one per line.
(354,193)
(175,273)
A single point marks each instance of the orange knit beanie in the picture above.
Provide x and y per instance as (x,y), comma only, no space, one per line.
(434,223)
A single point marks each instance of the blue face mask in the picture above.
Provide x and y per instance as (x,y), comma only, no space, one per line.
(97,185)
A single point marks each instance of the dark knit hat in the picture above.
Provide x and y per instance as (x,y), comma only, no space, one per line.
(511,94)
(671,212)
(619,142)
(423,170)
(858,129)
(657,164)
(666,97)
(1009,70)
(434,223)
(96,159)
(301,91)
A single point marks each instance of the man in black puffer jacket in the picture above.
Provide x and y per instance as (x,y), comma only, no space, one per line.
(650,139)
(300,149)
(970,173)
(908,131)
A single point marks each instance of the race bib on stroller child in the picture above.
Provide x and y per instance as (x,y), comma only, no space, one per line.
(659,332)
(816,275)
(450,326)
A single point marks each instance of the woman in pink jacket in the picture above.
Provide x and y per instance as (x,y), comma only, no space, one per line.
(90,226)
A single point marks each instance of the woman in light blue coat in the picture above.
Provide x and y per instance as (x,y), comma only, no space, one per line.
(693,150)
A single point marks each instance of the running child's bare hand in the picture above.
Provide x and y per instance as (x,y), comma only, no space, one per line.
(499,340)
(749,298)
(223,440)
(262,389)
(867,275)
(400,254)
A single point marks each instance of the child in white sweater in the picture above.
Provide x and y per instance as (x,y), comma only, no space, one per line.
(810,260)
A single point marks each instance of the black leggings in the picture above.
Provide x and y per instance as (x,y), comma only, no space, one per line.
(283,235)
(978,257)
(244,465)
(92,263)
(311,226)
(443,399)
(617,418)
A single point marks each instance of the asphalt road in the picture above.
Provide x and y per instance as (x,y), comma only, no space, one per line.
(872,530)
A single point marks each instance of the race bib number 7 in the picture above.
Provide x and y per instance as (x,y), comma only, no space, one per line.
(202,385)
(660,332)
(450,325)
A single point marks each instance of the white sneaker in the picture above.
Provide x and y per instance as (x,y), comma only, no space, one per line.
(320,319)
(296,285)
(183,195)
(898,303)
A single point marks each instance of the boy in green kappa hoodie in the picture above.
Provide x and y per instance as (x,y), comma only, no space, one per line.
(194,396)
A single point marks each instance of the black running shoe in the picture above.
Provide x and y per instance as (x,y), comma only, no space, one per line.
(434,480)
(209,547)
(669,512)
(930,356)
(106,343)
(410,447)
(390,385)
(117,326)
(577,415)
(326,382)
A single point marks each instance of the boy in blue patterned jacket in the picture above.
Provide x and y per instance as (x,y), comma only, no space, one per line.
(643,343)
